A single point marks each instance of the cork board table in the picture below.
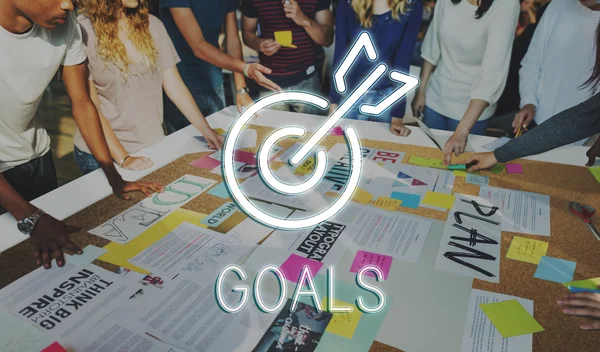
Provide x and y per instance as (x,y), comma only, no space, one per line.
(570,238)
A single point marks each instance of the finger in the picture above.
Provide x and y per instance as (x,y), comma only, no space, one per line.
(579,302)
(45,255)
(37,257)
(583,312)
(72,229)
(591,326)
(71,247)
(58,254)
(406,132)
(147,191)
(456,150)
(584,295)
(447,155)
(394,131)
(264,70)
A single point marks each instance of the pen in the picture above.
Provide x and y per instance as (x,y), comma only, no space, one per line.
(519,131)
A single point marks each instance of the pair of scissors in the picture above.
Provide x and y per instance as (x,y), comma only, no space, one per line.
(585,213)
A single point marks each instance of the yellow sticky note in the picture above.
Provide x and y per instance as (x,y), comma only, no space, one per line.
(595,170)
(527,250)
(437,163)
(362,196)
(387,203)
(220,131)
(440,200)
(417,160)
(285,39)
(119,254)
(591,284)
(331,194)
(307,166)
(510,318)
(460,173)
(343,324)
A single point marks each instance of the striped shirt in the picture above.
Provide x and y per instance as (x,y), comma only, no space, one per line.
(289,65)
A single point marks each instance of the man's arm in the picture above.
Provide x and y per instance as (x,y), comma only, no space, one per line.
(320,29)
(233,47)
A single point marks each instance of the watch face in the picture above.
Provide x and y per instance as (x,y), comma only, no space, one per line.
(25,226)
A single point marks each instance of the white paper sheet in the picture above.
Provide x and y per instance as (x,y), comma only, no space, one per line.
(247,139)
(17,335)
(464,253)
(66,301)
(495,144)
(481,336)
(195,144)
(522,212)
(199,251)
(137,219)
(396,234)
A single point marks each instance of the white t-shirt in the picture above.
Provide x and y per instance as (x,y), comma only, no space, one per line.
(471,55)
(560,59)
(28,62)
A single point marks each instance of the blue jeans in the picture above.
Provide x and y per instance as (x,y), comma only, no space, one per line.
(310,85)
(372,97)
(85,161)
(438,121)
(209,100)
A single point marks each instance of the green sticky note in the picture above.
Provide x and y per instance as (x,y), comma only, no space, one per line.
(591,284)
(510,318)
(437,163)
(457,167)
(497,169)
(417,160)
(595,170)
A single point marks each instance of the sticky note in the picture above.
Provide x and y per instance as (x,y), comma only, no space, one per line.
(343,324)
(417,160)
(292,267)
(497,169)
(219,190)
(437,163)
(337,131)
(220,214)
(460,173)
(387,203)
(527,250)
(514,169)
(440,200)
(55,347)
(206,162)
(361,196)
(285,39)
(477,180)
(244,157)
(595,170)
(591,284)
(554,269)
(510,318)
(307,167)
(220,131)
(90,253)
(382,261)
(408,200)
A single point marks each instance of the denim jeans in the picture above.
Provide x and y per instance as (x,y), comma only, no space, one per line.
(310,85)
(438,121)
(372,97)
(209,100)
(33,179)
(85,161)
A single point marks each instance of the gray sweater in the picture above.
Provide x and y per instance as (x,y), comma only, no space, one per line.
(572,125)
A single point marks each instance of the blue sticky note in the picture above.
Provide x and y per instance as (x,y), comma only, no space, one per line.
(554,269)
(408,200)
(90,253)
(220,191)
(218,216)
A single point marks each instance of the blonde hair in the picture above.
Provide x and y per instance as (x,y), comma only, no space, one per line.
(364,10)
(104,15)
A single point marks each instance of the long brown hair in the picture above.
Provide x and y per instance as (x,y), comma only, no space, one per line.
(594,80)
(364,10)
(104,15)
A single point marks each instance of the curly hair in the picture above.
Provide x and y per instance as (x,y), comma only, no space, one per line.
(104,15)
(364,10)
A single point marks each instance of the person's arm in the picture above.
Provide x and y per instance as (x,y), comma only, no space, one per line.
(583,304)
(117,151)
(320,30)
(491,79)
(88,121)
(233,47)
(342,40)
(180,95)
(569,126)
(190,29)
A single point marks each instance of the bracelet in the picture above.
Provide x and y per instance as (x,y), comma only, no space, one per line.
(246,69)
(124,160)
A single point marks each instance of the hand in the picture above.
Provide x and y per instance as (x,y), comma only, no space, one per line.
(483,161)
(137,163)
(524,117)
(593,153)
(294,12)
(243,101)
(398,128)
(257,73)
(583,304)
(214,140)
(456,144)
(50,239)
(418,104)
(121,188)
(269,47)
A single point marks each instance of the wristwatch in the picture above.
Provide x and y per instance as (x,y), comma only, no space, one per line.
(27,225)
(243,90)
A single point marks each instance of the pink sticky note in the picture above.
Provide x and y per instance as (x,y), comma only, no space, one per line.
(206,162)
(514,169)
(337,131)
(383,262)
(245,157)
(292,267)
(55,347)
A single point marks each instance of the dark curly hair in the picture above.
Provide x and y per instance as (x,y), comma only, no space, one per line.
(484,5)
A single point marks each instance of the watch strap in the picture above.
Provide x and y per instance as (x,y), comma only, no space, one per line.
(243,90)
